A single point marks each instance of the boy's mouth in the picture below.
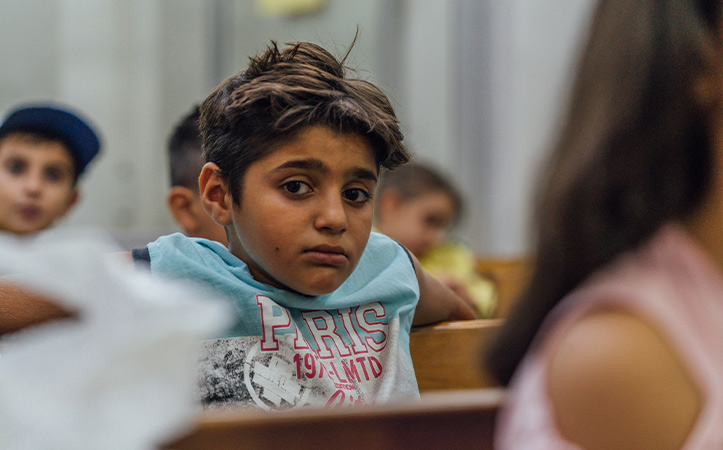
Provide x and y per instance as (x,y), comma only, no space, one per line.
(328,255)
(29,212)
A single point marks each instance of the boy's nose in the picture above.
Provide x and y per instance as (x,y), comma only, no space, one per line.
(433,237)
(33,184)
(331,215)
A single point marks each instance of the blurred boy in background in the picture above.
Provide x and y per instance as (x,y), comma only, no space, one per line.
(43,152)
(186,160)
(416,206)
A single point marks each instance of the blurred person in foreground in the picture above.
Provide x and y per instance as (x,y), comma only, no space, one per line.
(615,344)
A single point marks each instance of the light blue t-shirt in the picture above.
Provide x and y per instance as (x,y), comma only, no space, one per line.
(288,350)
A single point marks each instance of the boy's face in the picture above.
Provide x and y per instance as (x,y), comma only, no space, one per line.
(36,183)
(419,223)
(306,211)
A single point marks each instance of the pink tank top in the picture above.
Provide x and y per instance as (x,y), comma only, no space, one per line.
(671,283)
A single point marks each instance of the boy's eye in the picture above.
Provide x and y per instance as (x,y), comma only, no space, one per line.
(435,222)
(16,167)
(53,174)
(296,187)
(356,195)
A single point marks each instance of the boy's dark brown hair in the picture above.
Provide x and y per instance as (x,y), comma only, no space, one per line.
(284,91)
(184,151)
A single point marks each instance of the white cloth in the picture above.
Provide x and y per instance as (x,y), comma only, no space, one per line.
(122,376)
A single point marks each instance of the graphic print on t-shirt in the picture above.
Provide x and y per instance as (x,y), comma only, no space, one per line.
(311,357)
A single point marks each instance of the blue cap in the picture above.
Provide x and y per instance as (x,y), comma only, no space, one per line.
(70,129)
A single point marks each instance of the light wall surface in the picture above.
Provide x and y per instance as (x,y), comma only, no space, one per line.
(478,85)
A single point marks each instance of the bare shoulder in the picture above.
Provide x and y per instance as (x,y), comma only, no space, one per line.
(615,382)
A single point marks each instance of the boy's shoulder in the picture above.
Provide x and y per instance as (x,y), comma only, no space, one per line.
(378,239)
(382,251)
(379,242)
(385,267)
(179,247)
(178,252)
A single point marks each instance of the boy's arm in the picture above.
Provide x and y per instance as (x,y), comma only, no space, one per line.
(20,309)
(437,302)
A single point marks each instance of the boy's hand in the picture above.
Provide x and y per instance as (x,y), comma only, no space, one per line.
(463,307)
(461,291)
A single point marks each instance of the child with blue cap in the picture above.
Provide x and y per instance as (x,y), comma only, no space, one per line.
(43,151)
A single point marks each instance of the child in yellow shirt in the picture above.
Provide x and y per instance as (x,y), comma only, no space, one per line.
(416,206)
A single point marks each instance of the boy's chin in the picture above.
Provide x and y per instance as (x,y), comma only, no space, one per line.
(313,285)
(307,291)
(311,289)
(320,281)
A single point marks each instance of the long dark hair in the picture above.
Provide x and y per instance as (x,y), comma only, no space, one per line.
(635,153)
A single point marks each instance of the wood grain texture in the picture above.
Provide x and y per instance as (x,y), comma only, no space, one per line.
(448,356)
(459,420)
(509,275)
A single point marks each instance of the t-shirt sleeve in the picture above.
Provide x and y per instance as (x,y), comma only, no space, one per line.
(409,255)
(141,258)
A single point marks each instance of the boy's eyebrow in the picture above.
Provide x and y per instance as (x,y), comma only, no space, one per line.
(363,173)
(309,164)
(317,165)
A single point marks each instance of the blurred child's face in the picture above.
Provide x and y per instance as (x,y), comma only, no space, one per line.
(418,223)
(36,183)
(306,211)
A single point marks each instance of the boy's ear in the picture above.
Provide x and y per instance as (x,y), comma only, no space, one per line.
(215,194)
(73,197)
(181,204)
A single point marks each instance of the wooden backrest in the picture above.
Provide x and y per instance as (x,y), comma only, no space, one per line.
(462,419)
(448,355)
(510,276)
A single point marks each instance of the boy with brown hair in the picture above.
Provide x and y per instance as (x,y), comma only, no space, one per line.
(185,162)
(416,206)
(294,149)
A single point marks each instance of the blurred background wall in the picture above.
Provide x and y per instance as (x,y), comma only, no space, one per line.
(479,86)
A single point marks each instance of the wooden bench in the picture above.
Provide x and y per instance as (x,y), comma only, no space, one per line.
(460,419)
(457,410)
(509,275)
(448,356)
